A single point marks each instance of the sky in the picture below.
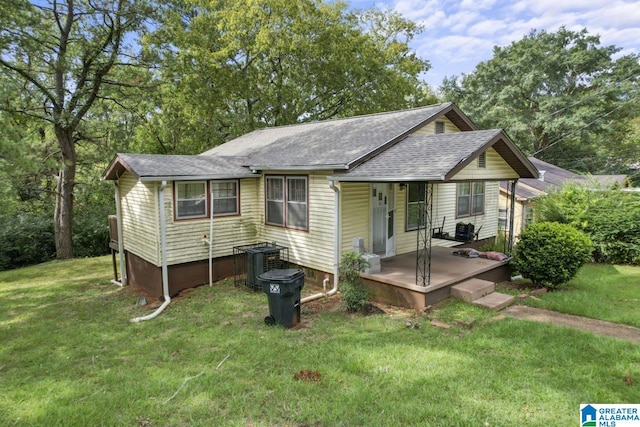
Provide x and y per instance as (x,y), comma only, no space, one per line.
(459,34)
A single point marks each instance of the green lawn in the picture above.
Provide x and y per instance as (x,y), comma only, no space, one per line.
(70,356)
(600,291)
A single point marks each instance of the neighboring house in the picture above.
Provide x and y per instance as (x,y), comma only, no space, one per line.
(550,178)
(312,188)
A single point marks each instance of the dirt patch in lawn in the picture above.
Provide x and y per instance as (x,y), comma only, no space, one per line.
(595,326)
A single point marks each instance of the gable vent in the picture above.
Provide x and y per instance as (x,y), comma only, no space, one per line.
(482,160)
(439,127)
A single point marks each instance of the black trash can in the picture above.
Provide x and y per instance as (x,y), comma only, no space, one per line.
(283,287)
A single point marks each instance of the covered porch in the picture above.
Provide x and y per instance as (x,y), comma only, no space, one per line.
(396,282)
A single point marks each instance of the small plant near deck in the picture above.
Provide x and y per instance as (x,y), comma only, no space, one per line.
(550,253)
(354,294)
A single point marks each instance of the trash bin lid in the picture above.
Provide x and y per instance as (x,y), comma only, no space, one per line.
(281,274)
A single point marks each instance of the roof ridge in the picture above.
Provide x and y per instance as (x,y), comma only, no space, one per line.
(337,119)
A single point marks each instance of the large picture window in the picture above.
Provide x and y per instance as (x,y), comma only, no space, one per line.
(415,206)
(225,197)
(286,201)
(470,199)
(191,199)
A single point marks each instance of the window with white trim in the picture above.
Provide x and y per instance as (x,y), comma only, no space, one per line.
(191,199)
(470,199)
(287,201)
(415,205)
(224,195)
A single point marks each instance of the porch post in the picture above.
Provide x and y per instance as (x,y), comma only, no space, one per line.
(423,244)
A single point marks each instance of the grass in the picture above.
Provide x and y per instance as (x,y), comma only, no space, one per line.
(601,291)
(70,356)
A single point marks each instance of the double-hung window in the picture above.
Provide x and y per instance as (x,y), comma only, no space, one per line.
(415,205)
(470,199)
(191,199)
(224,196)
(287,201)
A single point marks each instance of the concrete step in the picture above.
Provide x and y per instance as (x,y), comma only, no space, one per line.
(495,301)
(472,289)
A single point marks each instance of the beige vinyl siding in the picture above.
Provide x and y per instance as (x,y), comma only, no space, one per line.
(518,212)
(312,248)
(496,168)
(140,222)
(188,240)
(355,214)
(430,128)
(444,198)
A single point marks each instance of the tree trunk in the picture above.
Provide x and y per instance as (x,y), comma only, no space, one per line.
(66,180)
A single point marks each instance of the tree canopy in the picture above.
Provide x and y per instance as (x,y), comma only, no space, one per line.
(562,97)
(231,66)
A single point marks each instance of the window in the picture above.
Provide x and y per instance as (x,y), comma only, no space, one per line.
(470,199)
(286,201)
(225,197)
(191,199)
(528,216)
(415,206)
(503,219)
(439,127)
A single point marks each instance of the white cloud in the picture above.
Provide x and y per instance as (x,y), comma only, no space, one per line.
(487,28)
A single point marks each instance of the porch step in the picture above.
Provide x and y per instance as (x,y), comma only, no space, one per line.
(495,301)
(472,289)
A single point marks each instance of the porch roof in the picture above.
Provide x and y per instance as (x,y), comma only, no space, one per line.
(157,167)
(436,157)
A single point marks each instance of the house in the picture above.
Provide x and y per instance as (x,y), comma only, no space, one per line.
(551,178)
(388,179)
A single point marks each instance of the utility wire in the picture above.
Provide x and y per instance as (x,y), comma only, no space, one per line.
(582,128)
(592,95)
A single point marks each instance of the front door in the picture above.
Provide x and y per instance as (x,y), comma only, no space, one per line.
(383,219)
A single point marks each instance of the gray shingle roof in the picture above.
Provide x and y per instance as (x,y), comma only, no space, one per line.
(553,177)
(423,157)
(153,167)
(331,144)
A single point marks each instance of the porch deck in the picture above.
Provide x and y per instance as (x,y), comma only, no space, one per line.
(396,281)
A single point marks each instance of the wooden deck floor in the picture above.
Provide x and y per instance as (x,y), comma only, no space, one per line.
(396,282)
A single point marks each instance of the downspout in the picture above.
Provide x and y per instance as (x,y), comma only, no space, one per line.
(163,256)
(336,250)
(123,267)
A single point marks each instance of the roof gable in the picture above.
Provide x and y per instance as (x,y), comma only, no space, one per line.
(437,157)
(333,144)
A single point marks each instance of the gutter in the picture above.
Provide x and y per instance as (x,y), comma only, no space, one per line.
(336,250)
(163,256)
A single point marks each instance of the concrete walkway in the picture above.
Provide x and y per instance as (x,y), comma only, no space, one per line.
(578,322)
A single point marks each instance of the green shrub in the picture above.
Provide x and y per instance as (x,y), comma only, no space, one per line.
(611,218)
(550,253)
(26,239)
(354,295)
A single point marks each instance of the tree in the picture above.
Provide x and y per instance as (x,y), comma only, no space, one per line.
(560,96)
(231,66)
(59,58)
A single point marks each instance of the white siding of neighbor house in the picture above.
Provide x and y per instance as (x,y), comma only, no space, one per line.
(313,248)
(355,214)
(430,128)
(140,226)
(496,168)
(188,240)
